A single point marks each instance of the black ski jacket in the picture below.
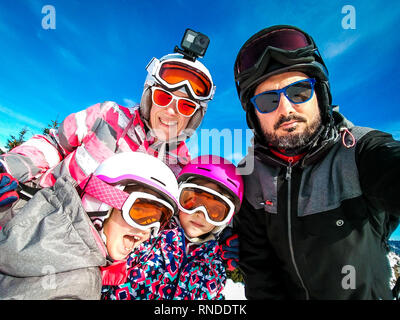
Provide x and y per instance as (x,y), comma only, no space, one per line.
(318,228)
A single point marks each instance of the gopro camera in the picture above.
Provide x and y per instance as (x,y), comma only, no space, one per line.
(194,44)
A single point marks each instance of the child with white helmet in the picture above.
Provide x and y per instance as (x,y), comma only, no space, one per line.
(129,197)
(184,262)
(60,239)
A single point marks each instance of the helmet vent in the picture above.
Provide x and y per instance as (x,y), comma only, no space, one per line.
(158,181)
(231,182)
(205,169)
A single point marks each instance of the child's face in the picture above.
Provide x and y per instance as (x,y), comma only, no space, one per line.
(195,224)
(121,237)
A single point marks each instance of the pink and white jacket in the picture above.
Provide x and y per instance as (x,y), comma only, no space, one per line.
(83,140)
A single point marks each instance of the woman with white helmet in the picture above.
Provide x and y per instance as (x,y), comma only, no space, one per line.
(189,82)
(53,245)
(174,101)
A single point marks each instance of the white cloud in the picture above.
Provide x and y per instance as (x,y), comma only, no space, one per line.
(13,128)
(129,103)
(24,119)
(6,30)
(68,57)
(11,123)
(333,49)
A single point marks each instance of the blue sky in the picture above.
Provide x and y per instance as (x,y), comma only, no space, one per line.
(100,48)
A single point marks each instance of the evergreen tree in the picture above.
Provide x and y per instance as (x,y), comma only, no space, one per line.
(54,124)
(14,141)
(236,275)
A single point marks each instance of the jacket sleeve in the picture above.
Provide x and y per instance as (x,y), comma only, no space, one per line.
(78,284)
(42,152)
(53,229)
(378,162)
(257,260)
(50,249)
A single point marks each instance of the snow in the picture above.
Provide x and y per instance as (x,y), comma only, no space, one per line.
(394,261)
(234,290)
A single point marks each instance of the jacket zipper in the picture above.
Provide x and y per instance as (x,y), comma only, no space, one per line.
(289,180)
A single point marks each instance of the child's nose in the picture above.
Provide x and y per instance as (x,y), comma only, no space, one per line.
(201,214)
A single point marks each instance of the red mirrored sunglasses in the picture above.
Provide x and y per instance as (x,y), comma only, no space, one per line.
(163,98)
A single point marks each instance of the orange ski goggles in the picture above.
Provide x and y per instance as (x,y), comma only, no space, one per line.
(174,74)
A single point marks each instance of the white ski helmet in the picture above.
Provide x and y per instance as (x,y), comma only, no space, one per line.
(202,91)
(129,168)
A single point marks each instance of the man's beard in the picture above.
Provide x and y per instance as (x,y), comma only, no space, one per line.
(292,141)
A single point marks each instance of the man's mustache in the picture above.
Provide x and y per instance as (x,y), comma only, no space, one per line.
(291,117)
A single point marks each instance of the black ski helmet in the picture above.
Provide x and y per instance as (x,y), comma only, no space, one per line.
(274,50)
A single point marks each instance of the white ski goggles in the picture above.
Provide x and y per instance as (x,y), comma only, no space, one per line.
(217,208)
(175,74)
(139,209)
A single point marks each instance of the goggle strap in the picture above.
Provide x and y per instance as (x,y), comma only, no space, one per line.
(106,193)
(151,65)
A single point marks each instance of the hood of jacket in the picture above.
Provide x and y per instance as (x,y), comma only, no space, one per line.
(51,229)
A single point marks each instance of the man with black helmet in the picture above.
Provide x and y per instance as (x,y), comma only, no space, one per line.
(322,199)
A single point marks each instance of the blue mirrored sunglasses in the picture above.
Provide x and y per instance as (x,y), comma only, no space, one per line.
(296,92)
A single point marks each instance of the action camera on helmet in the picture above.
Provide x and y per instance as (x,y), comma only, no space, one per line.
(194,45)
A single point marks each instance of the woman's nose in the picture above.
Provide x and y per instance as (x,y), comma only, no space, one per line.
(172,107)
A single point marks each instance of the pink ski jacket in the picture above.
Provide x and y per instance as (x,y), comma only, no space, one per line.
(84,140)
